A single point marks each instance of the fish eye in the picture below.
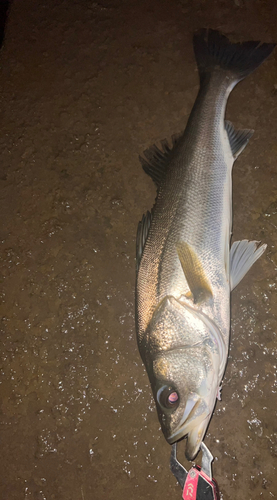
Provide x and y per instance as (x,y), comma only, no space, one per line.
(168,397)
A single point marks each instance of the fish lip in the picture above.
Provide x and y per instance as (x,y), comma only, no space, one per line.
(186,423)
(182,429)
(195,438)
(176,436)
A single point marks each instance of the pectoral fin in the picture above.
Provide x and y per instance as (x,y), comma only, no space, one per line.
(194,273)
(243,254)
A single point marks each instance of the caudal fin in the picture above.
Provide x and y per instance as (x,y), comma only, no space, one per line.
(212,49)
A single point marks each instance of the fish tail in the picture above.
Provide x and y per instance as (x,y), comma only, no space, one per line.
(213,50)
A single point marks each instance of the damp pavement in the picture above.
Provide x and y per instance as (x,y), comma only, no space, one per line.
(85,88)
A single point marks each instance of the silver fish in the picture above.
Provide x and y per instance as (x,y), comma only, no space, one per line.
(185,267)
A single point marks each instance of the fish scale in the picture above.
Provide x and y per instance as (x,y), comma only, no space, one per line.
(183,247)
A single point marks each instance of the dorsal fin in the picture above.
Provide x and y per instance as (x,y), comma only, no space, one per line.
(157,159)
(238,138)
(142,234)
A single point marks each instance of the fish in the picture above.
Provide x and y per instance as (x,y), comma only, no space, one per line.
(186,266)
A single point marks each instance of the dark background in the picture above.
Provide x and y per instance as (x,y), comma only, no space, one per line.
(85,88)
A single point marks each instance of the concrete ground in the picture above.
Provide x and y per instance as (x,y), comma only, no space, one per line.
(85,88)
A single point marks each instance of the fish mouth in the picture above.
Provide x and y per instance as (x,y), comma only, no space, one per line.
(193,424)
(195,438)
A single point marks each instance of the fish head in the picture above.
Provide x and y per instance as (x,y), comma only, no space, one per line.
(183,364)
(185,391)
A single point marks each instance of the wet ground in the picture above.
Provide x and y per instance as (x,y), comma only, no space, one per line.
(85,87)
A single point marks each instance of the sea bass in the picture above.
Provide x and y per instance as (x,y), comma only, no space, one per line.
(185,267)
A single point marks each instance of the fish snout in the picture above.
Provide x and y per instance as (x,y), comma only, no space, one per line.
(193,424)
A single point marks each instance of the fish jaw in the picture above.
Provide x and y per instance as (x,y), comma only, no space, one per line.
(195,438)
(193,425)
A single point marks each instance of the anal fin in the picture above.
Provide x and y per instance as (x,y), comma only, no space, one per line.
(243,255)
